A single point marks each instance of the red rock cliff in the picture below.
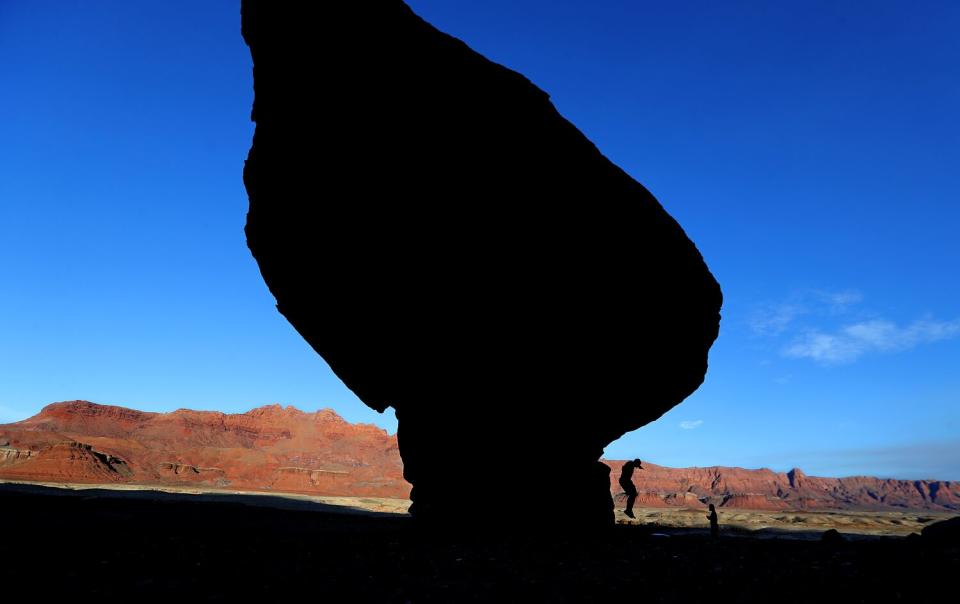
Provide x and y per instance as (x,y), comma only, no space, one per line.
(282,449)
(769,490)
(269,448)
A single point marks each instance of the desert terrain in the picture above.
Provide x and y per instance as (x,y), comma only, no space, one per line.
(108,502)
(792,524)
(797,524)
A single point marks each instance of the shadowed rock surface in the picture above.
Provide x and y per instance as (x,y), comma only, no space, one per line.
(457,250)
(945,531)
(100,547)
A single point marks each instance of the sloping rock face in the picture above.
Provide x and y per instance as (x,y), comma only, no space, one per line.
(456,249)
(267,449)
(66,461)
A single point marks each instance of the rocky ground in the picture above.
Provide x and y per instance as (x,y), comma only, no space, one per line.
(785,524)
(129,544)
(797,524)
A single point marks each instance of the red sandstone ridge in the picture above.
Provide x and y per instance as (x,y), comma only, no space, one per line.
(281,449)
(267,449)
(765,489)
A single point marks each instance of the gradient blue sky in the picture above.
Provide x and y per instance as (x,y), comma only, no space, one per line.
(810,149)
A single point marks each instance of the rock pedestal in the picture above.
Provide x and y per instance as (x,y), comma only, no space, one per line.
(456,249)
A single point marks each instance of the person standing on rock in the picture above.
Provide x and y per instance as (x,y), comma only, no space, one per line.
(714,525)
(626,483)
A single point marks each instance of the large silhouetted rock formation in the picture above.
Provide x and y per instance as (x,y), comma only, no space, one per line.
(456,249)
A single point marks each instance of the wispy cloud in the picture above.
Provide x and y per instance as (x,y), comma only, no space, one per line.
(774,319)
(690,425)
(929,460)
(853,341)
(808,321)
(936,460)
(839,301)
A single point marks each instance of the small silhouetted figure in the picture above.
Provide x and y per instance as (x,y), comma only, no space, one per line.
(626,483)
(714,526)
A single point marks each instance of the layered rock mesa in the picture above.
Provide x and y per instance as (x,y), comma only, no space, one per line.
(286,450)
(456,249)
(267,449)
(764,489)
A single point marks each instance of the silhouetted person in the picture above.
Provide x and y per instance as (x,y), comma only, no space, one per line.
(626,483)
(714,526)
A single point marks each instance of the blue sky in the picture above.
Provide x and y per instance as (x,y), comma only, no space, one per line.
(810,149)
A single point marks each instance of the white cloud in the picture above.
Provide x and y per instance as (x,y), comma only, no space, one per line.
(839,301)
(690,425)
(774,320)
(852,341)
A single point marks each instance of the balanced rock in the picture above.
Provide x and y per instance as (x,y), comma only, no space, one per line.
(457,250)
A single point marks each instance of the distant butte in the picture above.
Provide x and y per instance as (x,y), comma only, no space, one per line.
(282,449)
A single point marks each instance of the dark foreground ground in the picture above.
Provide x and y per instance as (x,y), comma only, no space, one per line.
(119,546)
